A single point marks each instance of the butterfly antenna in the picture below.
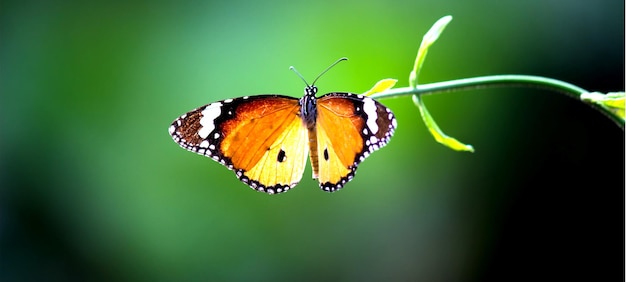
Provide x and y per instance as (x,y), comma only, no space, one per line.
(318,76)
(301,77)
(328,68)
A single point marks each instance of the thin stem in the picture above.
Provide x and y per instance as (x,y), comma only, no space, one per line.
(498,81)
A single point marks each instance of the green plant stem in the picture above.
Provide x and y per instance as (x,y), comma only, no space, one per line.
(498,81)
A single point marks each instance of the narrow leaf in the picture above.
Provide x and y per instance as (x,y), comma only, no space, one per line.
(613,101)
(439,136)
(429,38)
(382,85)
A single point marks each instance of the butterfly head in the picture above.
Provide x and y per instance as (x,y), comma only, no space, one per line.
(310,90)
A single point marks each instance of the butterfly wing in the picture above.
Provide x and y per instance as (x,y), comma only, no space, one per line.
(261,138)
(349,128)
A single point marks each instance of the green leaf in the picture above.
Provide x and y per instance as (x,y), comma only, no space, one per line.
(613,101)
(439,136)
(429,38)
(381,86)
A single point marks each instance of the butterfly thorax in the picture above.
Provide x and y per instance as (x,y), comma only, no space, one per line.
(308,106)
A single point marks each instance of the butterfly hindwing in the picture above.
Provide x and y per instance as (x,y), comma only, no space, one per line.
(262,138)
(349,127)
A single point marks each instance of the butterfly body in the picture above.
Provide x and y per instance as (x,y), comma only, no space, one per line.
(265,139)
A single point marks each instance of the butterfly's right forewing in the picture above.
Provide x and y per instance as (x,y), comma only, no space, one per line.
(349,128)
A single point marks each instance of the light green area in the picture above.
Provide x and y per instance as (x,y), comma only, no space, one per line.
(613,101)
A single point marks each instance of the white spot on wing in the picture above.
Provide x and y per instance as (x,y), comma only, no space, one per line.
(204,144)
(369,107)
(373,139)
(209,114)
(204,132)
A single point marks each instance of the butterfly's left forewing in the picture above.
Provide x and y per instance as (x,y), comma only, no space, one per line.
(261,138)
(349,128)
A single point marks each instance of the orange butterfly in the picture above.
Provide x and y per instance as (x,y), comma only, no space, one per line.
(265,139)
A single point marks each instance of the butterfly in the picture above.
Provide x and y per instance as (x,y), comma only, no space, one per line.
(265,139)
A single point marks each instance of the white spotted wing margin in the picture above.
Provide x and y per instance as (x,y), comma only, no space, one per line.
(198,130)
(195,131)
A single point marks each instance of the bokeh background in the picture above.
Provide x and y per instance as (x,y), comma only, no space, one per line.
(94,189)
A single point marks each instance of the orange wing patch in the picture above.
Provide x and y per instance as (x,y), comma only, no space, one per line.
(256,125)
(349,128)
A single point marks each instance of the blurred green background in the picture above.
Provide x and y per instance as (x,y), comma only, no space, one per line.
(93,188)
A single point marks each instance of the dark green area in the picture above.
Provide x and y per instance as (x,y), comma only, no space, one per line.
(93,188)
